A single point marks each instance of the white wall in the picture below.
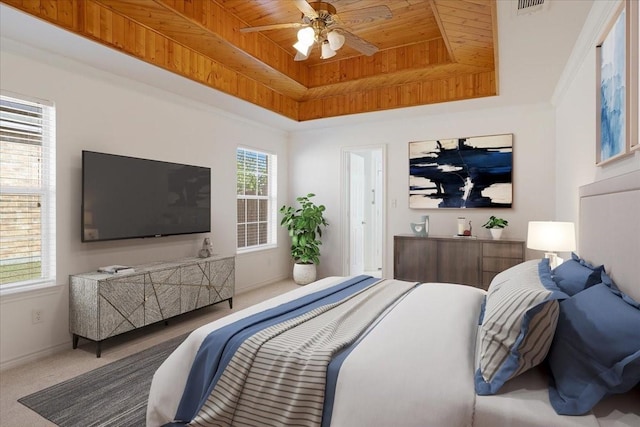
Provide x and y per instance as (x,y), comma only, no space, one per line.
(107,113)
(575,100)
(104,112)
(315,164)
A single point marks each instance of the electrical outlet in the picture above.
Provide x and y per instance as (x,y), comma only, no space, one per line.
(36,316)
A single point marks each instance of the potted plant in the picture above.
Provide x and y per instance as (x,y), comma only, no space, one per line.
(304,226)
(495,226)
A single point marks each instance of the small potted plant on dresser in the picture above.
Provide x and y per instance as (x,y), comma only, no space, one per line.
(495,226)
(305,229)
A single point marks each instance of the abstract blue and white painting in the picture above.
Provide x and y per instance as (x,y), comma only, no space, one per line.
(612,91)
(461,173)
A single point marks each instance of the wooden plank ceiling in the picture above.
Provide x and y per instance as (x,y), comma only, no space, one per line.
(430,51)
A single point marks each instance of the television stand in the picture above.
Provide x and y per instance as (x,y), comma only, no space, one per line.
(103,305)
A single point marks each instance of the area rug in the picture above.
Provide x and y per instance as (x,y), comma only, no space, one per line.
(112,395)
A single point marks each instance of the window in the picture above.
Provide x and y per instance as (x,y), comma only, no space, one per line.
(27,193)
(256,189)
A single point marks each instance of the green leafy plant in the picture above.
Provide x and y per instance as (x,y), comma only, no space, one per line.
(495,222)
(304,226)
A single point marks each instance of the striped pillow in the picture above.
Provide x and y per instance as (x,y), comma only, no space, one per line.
(519,323)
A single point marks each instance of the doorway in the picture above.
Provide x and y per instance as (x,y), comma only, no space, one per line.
(364,208)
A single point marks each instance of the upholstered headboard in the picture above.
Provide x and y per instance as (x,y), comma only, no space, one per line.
(609,229)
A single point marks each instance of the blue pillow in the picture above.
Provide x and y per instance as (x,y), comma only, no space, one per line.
(482,308)
(595,351)
(614,288)
(519,321)
(576,274)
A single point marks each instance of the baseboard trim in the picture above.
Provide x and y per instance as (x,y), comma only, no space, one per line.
(41,354)
(37,355)
(260,284)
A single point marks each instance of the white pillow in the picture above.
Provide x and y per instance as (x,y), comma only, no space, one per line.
(520,318)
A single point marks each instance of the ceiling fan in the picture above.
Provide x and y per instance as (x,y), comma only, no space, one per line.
(323,27)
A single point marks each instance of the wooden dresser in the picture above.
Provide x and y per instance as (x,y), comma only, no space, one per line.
(468,261)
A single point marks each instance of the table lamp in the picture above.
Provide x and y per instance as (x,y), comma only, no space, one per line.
(551,237)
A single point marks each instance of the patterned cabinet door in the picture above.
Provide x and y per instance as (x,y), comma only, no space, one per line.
(222,273)
(83,306)
(194,290)
(120,305)
(162,294)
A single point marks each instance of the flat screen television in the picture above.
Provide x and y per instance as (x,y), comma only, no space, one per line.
(127,197)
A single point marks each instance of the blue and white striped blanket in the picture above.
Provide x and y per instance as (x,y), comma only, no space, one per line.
(271,368)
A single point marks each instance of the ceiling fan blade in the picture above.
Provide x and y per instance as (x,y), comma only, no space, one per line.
(364,15)
(306,9)
(272,27)
(358,44)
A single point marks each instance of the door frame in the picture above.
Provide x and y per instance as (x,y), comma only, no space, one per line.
(345,202)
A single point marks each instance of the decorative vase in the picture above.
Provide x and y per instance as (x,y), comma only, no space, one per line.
(496,233)
(461,225)
(304,274)
(421,228)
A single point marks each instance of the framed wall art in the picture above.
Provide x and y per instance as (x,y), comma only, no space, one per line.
(612,90)
(473,172)
(634,91)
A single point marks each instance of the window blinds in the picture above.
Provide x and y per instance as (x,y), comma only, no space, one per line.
(27,192)
(256,205)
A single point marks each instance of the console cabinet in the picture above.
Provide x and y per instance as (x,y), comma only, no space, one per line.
(468,261)
(103,305)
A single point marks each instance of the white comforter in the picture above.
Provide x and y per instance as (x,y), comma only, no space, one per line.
(416,368)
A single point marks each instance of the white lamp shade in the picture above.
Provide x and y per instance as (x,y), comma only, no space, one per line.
(551,236)
(327,52)
(306,36)
(300,57)
(303,49)
(336,40)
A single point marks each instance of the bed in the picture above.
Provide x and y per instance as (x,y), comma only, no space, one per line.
(429,354)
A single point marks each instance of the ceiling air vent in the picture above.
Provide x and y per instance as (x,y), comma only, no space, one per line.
(530,6)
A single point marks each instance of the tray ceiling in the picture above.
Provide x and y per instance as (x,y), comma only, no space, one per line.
(430,51)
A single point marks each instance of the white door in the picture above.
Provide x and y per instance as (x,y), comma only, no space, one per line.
(356,213)
(363,212)
(373,262)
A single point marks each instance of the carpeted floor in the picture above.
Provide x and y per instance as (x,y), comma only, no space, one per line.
(112,395)
(65,363)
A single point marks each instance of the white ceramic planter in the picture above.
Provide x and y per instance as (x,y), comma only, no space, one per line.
(304,274)
(496,233)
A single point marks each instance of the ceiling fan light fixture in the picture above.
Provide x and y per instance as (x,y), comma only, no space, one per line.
(306,36)
(303,48)
(327,52)
(336,40)
(300,56)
